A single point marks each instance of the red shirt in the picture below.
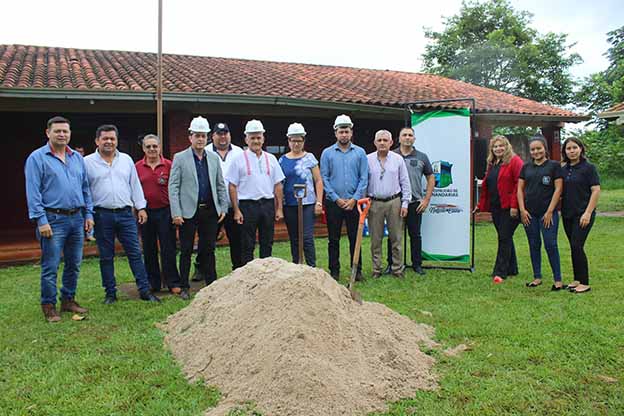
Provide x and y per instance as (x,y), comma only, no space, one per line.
(507,185)
(155,182)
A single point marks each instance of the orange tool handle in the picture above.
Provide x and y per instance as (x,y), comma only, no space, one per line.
(366,203)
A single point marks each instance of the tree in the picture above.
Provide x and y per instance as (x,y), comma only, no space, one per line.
(606,88)
(492,45)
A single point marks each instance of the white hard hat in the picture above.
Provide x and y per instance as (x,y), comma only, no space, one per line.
(296,129)
(199,125)
(254,126)
(343,120)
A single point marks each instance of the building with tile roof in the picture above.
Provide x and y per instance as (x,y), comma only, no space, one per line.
(93,87)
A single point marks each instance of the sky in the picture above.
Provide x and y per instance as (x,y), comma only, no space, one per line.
(339,32)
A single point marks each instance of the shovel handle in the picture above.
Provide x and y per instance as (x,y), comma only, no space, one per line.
(363,205)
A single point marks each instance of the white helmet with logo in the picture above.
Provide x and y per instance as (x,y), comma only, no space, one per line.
(343,120)
(199,125)
(254,126)
(296,129)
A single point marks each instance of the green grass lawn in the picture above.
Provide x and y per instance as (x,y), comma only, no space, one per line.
(533,351)
(611,200)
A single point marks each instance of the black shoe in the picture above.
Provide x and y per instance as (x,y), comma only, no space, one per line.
(359,277)
(335,275)
(149,297)
(197,277)
(419,270)
(110,299)
(184,295)
(388,270)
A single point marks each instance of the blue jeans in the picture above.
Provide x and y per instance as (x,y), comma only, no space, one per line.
(292,224)
(533,230)
(120,224)
(67,238)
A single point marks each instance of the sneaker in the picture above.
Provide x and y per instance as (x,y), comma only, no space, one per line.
(497,280)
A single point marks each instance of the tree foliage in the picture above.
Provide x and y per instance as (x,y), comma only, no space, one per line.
(492,45)
(606,88)
(605,148)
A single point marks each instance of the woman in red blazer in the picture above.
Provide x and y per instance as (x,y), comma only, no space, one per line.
(499,196)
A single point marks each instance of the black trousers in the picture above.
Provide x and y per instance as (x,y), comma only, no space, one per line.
(506,262)
(577,237)
(335,218)
(258,216)
(159,230)
(413,222)
(233,232)
(204,222)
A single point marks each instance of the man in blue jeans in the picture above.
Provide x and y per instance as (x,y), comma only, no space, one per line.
(59,200)
(116,189)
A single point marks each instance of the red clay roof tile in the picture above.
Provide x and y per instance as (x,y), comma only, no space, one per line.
(68,68)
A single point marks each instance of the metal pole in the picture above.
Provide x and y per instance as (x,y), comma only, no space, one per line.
(159,104)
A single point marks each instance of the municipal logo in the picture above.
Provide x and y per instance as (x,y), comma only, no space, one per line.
(442,173)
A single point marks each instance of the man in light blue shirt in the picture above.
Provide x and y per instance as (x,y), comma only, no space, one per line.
(344,169)
(59,201)
(116,189)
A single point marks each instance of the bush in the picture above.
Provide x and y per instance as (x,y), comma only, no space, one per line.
(605,149)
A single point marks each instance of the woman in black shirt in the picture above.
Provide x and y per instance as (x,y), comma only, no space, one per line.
(581,190)
(539,190)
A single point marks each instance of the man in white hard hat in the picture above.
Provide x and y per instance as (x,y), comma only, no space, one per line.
(344,169)
(222,146)
(255,185)
(198,199)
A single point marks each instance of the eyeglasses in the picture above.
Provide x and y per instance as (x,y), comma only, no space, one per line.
(151,146)
(381,175)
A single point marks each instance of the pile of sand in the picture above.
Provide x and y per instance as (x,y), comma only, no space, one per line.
(290,339)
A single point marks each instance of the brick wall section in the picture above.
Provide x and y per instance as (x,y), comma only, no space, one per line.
(176,133)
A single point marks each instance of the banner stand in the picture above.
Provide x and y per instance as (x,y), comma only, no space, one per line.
(409,110)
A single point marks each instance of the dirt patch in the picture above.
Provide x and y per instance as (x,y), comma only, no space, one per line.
(290,339)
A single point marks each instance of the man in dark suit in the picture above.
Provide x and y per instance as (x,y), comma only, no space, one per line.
(198,200)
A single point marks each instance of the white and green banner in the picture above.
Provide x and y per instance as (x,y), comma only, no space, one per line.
(444,135)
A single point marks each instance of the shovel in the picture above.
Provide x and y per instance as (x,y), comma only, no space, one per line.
(300,191)
(363,205)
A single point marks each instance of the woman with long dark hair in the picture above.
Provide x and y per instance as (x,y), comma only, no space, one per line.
(539,190)
(499,192)
(581,190)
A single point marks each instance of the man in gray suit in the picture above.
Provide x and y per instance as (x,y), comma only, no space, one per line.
(198,198)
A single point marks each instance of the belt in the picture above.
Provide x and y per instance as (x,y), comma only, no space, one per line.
(390,198)
(62,211)
(256,201)
(205,206)
(122,209)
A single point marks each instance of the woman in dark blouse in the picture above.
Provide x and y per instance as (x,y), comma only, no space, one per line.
(499,196)
(539,191)
(581,190)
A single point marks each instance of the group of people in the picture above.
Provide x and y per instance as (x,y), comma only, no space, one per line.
(530,193)
(214,185)
(211,185)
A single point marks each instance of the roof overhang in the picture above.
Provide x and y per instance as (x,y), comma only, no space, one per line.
(617,116)
(381,111)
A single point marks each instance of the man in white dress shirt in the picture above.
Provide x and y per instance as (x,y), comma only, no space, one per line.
(116,189)
(390,191)
(255,185)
